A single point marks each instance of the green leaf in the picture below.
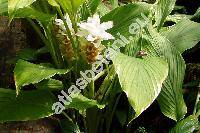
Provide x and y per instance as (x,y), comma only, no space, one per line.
(171,98)
(103,9)
(114,3)
(177,17)
(25,9)
(15,5)
(68,126)
(188,125)
(76,4)
(27,54)
(124,16)
(53,3)
(184,35)
(121,116)
(28,73)
(81,102)
(89,8)
(68,5)
(3,6)
(30,12)
(93,4)
(163,9)
(50,84)
(196,16)
(29,105)
(133,47)
(140,79)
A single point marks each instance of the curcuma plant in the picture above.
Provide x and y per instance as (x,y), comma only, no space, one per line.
(101,53)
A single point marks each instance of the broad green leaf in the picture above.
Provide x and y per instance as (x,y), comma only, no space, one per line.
(163,9)
(140,79)
(187,125)
(25,9)
(178,8)
(89,8)
(3,6)
(81,102)
(114,3)
(76,101)
(196,16)
(124,16)
(133,47)
(171,98)
(68,5)
(30,12)
(103,9)
(28,73)
(121,116)
(28,105)
(27,54)
(184,35)
(50,84)
(15,5)
(53,3)
(76,4)
(177,17)
(93,4)
(68,126)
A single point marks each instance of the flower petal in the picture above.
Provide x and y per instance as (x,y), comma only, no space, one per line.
(107,36)
(107,25)
(95,29)
(94,20)
(58,22)
(91,38)
(68,20)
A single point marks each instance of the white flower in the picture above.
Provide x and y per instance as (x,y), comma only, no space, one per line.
(60,23)
(94,31)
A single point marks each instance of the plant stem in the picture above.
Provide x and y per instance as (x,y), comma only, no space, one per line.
(108,71)
(75,48)
(66,26)
(51,46)
(45,5)
(66,116)
(112,114)
(109,89)
(37,29)
(197,100)
(91,90)
(75,27)
(99,75)
(54,49)
(48,43)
